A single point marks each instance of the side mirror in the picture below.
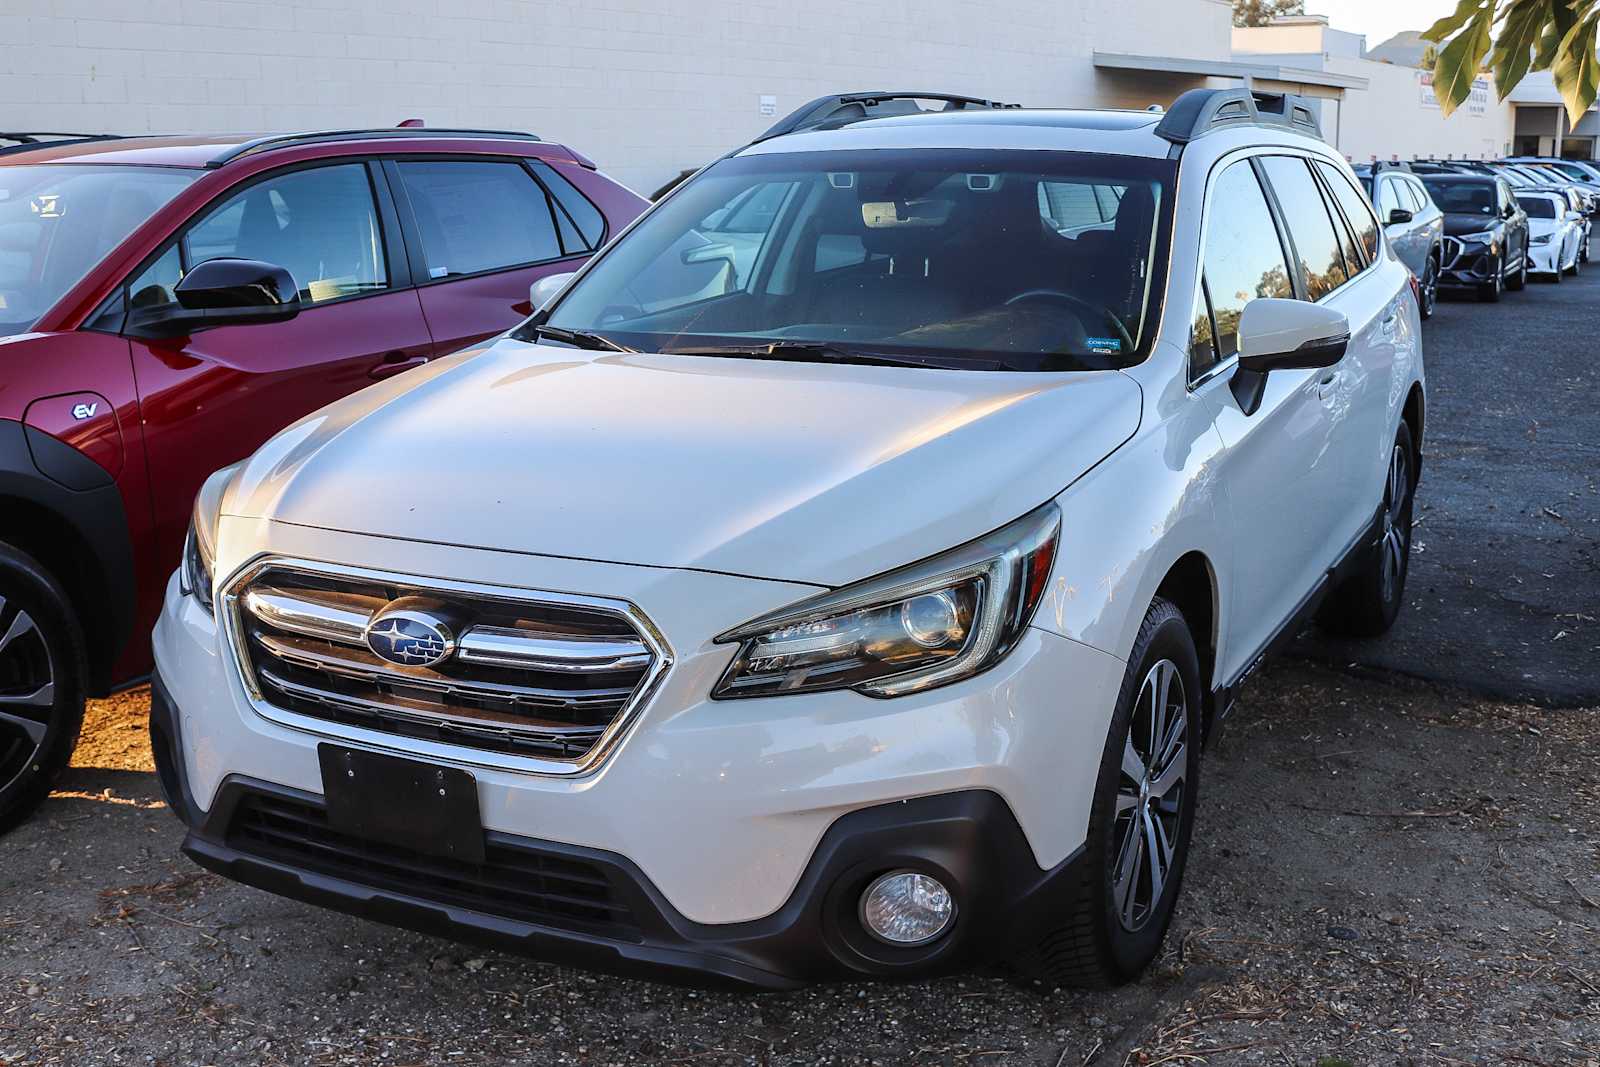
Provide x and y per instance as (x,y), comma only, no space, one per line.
(546,289)
(223,292)
(1400,214)
(1277,334)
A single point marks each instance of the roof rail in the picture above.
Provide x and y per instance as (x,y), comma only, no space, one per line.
(287,140)
(34,139)
(843,109)
(1199,111)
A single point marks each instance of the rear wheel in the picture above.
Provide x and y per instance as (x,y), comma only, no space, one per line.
(1428,287)
(41,683)
(1366,603)
(1113,922)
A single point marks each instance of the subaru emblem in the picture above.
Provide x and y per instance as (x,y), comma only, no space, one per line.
(406,633)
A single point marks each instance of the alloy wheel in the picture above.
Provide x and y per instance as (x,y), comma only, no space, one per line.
(1430,288)
(27,692)
(1396,538)
(1151,795)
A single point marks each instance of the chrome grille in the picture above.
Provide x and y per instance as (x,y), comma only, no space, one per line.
(552,678)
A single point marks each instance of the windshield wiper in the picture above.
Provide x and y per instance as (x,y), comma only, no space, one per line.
(803,352)
(581,339)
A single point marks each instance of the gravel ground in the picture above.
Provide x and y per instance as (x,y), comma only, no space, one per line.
(1384,874)
(1504,594)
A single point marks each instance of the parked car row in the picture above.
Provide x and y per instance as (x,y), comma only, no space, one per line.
(838,572)
(1497,222)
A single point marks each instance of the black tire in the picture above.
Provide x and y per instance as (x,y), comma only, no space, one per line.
(1365,604)
(1577,265)
(1519,281)
(41,645)
(1428,288)
(1093,946)
(1489,292)
(1555,276)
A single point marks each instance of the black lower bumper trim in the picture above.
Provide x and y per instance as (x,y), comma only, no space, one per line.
(970,840)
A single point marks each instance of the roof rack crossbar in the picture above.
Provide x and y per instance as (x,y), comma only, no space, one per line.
(844,108)
(1199,111)
(285,140)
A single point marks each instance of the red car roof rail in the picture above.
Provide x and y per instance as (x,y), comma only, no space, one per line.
(28,141)
(844,109)
(289,140)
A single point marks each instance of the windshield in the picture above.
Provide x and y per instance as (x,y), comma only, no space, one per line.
(1023,260)
(57,221)
(1538,207)
(1462,198)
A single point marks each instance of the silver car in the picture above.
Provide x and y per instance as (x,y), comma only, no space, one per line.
(1411,221)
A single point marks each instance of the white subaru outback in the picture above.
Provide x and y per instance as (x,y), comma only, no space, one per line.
(839,576)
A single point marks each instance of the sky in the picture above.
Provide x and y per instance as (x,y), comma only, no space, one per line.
(1380,19)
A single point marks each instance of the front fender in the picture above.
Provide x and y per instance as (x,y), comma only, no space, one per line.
(1126,523)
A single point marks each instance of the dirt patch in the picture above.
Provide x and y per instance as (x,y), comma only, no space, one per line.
(1384,875)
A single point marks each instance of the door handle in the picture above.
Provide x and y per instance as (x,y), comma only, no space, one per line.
(394,363)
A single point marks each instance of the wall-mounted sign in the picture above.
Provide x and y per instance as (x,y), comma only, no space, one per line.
(1477,102)
(769,105)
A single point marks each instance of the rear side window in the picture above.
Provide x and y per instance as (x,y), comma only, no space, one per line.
(320,224)
(1419,196)
(1243,260)
(1310,228)
(478,216)
(574,214)
(1357,212)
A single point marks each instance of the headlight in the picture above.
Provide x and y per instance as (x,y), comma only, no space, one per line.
(1483,237)
(200,545)
(1542,239)
(921,626)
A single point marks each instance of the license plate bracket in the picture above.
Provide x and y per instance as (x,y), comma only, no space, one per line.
(401,802)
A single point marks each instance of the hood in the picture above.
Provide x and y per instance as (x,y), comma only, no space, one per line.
(1457,223)
(804,472)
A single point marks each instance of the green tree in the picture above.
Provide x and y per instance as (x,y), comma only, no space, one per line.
(1261,12)
(1512,37)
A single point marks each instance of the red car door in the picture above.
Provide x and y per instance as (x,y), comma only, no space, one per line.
(212,398)
(485,230)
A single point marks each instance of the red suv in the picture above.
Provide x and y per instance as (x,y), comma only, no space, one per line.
(166,304)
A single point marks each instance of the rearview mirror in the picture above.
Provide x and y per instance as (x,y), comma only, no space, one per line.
(222,292)
(1400,214)
(1278,335)
(546,289)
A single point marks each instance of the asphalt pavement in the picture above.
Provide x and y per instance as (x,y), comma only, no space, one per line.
(1504,592)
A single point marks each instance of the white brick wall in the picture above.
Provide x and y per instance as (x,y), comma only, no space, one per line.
(645,87)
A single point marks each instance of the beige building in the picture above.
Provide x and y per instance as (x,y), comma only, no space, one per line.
(1394,113)
(645,87)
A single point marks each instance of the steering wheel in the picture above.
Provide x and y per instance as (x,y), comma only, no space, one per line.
(1103,314)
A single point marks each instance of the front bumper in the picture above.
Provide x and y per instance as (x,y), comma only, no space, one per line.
(728,829)
(1470,267)
(970,840)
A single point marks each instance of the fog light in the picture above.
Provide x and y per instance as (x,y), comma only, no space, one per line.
(905,908)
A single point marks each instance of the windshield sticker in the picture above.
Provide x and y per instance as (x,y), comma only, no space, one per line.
(1104,344)
(48,206)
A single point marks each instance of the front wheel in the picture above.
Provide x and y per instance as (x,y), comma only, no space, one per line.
(1366,603)
(41,684)
(1519,280)
(1116,915)
(1490,291)
(1429,288)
